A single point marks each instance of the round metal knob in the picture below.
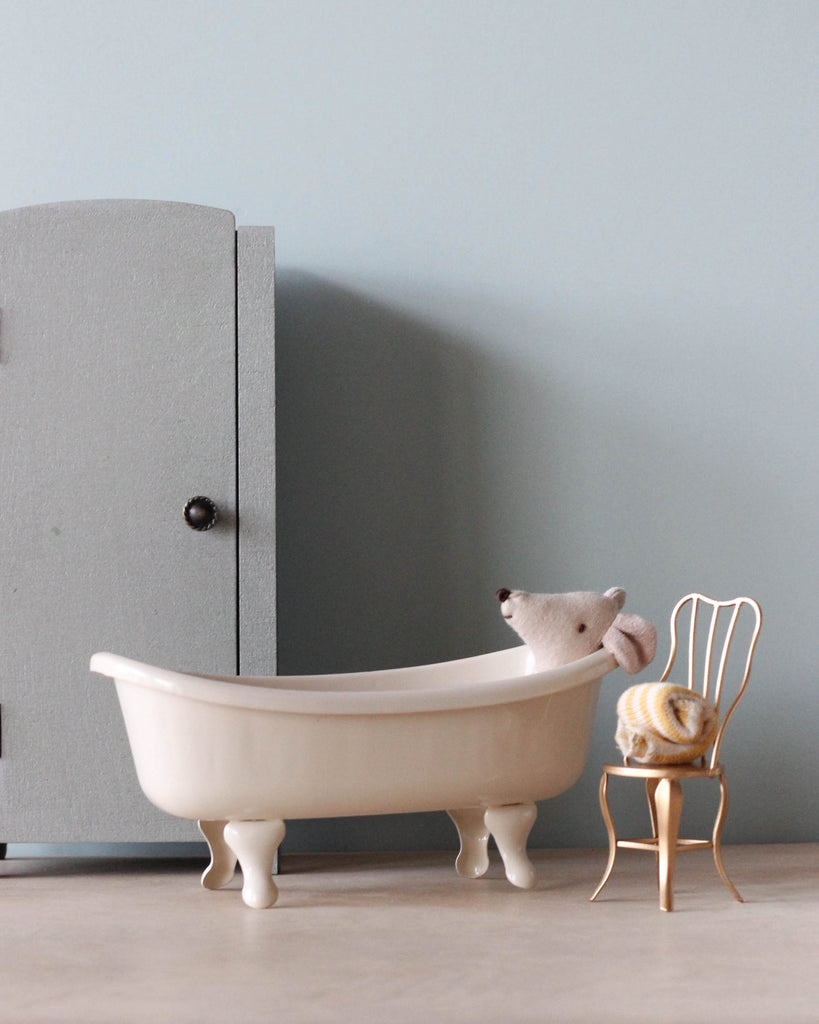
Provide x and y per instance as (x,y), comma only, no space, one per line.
(200,513)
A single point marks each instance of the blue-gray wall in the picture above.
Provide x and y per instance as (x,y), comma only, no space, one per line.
(547,313)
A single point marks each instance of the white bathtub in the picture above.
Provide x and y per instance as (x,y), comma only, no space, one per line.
(478,738)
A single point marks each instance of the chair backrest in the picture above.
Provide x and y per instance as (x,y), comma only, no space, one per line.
(708,655)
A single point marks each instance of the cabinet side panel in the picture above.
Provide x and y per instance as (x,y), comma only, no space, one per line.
(256,450)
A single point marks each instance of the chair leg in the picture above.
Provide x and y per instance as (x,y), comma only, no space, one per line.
(607,818)
(717,838)
(669,799)
(651,790)
(651,795)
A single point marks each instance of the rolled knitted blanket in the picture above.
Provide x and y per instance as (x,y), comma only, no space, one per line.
(662,723)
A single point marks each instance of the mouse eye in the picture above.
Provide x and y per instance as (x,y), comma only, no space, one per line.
(581,628)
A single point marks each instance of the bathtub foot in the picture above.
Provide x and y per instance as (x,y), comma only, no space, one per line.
(255,844)
(473,859)
(222,865)
(511,825)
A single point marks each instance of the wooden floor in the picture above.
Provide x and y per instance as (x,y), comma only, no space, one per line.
(401,938)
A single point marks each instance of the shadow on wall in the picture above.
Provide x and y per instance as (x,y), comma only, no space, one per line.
(381,516)
(378,485)
(393,444)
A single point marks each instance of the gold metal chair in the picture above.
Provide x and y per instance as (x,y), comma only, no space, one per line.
(663,781)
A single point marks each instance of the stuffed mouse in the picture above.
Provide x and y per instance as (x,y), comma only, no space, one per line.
(560,628)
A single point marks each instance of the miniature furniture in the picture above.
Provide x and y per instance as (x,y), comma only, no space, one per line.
(137,409)
(480,737)
(663,782)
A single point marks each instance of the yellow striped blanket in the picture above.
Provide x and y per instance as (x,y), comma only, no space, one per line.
(662,723)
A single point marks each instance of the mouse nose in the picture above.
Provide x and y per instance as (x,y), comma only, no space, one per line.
(502,594)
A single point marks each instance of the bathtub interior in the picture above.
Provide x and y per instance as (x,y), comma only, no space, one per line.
(481,668)
(484,680)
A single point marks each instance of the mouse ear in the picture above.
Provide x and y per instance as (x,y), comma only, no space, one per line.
(633,642)
(618,595)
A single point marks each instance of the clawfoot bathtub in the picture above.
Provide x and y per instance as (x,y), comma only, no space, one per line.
(478,737)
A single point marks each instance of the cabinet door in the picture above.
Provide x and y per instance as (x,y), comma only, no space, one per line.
(117,405)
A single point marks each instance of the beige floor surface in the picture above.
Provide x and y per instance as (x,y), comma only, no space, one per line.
(401,938)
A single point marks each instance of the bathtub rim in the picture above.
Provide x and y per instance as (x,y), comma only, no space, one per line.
(359,693)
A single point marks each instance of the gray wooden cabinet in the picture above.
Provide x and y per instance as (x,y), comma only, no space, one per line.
(136,372)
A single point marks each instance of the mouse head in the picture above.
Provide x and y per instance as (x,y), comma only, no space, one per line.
(560,628)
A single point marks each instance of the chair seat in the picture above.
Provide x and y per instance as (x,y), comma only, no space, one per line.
(664,771)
